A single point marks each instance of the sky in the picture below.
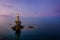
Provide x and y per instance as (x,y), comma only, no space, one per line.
(30,8)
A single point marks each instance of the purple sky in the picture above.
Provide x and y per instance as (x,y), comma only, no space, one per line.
(30,8)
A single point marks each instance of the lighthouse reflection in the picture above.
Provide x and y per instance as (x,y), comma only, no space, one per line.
(17,34)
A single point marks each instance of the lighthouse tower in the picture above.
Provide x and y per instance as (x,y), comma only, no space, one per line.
(18,22)
(17,17)
(18,25)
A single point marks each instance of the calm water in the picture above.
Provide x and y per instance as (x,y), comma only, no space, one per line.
(45,29)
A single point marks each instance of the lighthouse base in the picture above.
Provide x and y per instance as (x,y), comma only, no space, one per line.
(17,28)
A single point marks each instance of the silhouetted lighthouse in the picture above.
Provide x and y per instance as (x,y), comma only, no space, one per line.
(18,25)
(18,22)
(17,17)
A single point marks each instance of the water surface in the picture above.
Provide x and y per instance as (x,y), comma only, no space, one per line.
(45,29)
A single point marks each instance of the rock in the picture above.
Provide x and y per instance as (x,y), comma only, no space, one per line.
(31,27)
(17,28)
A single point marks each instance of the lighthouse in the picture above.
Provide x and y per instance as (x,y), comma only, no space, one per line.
(18,25)
(17,17)
(18,22)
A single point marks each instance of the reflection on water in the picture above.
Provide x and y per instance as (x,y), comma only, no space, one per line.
(18,33)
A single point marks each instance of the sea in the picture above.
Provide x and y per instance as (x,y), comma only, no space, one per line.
(47,28)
